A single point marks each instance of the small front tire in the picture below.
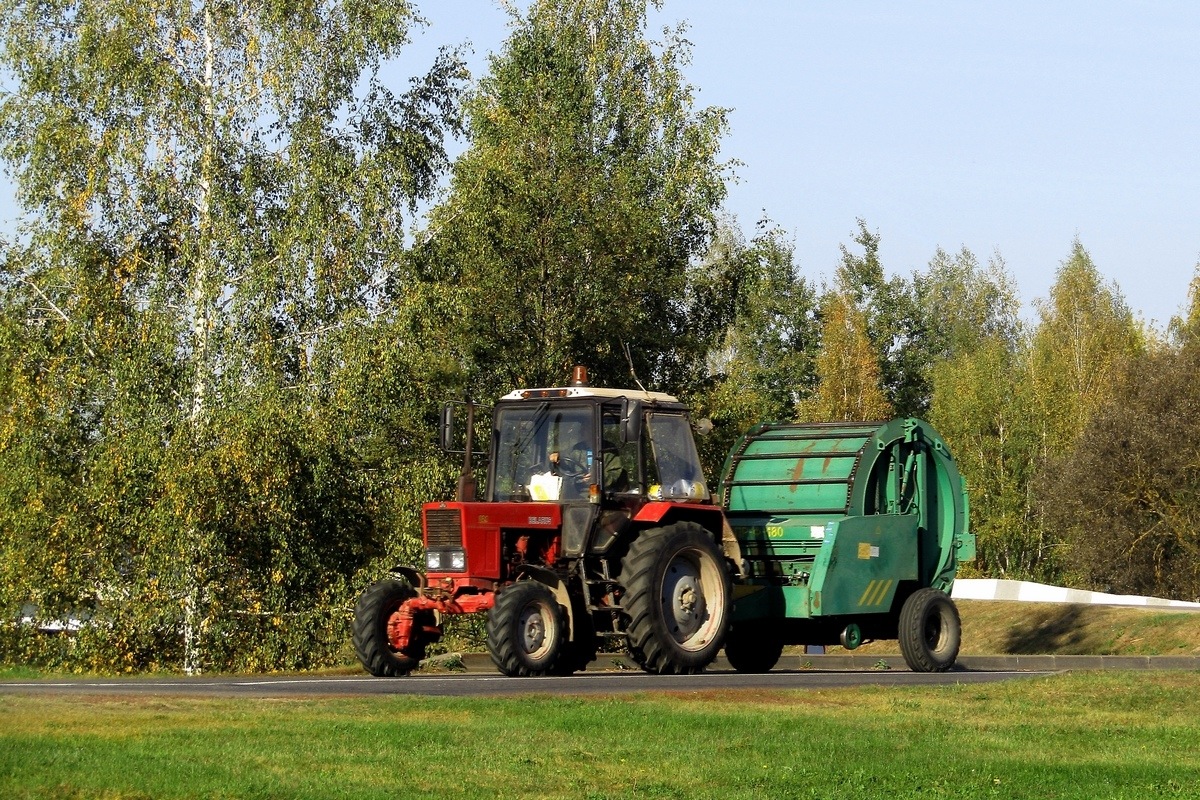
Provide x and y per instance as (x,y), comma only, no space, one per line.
(527,630)
(372,613)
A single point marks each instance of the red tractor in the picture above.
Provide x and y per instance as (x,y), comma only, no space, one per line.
(595,522)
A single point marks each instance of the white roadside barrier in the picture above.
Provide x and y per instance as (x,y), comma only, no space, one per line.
(1029,592)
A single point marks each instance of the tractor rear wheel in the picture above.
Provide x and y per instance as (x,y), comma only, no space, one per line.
(527,630)
(752,648)
(930,631)
(678,598)
(370,630)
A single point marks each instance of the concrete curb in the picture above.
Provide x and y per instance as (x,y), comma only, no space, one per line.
(617,662)
(1030,592)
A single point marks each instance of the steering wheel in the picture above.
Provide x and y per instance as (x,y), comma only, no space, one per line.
(570,468)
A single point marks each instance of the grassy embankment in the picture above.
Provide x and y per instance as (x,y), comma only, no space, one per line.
(999,628)
(1103,735)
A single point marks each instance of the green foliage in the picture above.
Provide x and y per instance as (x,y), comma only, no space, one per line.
(1125,496)
(1085,335)
(1011,405)
(983,406)
(890,320)
(221,359)
(963,305)
(212,351)
(572,221)
(765,363)
(982,403)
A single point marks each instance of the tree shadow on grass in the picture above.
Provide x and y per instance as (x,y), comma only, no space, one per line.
(1053,629)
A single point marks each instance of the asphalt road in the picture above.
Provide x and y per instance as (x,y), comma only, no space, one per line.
(473,685)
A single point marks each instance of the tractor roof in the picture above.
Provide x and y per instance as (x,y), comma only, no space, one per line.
(580,392)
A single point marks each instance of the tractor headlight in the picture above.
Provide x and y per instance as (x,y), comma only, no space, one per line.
(445,560)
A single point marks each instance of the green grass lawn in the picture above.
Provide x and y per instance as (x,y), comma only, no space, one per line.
(1098,735)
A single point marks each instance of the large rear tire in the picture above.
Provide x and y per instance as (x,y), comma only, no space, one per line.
(930,631)
(527,630)
(752,648)
(678,598)
(370,630)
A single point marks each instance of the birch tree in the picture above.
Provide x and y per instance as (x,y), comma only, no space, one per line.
(1085,334)
(890,320)
(591,185)
(216,198)
(983,404)
(848,375)
(763,365)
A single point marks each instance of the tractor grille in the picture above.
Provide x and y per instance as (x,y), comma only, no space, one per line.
(443,529)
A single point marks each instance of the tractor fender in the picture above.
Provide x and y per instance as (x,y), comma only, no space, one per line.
(415,579)
(544,576)
(664,513)
(711,518)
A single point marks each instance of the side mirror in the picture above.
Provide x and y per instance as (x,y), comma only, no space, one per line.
(447,428)
(703,427)
(631,420)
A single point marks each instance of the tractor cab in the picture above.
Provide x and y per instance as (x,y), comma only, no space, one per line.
(598,445)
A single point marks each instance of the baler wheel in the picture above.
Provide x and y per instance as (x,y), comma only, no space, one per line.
(752,648)
(678,598)
(527,630)
(930,631)
(371,615)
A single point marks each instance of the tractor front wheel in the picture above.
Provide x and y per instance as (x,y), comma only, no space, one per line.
(372,614)
(678,598)
(930,631)
(527,630)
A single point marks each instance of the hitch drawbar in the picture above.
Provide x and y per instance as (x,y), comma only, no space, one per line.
(402,624)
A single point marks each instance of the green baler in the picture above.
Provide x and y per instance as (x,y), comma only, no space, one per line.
(847,531)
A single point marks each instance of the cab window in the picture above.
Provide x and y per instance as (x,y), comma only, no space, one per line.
(672,464)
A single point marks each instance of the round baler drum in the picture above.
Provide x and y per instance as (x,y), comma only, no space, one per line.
(372,614)
(798,477)
(527,630)
(678,598)
(930,631)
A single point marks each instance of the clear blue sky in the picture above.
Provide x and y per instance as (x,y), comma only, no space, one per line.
(1010,127)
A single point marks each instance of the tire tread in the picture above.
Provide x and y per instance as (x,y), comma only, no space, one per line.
(501,632)
(913,614)
(647,645)
(369,630)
